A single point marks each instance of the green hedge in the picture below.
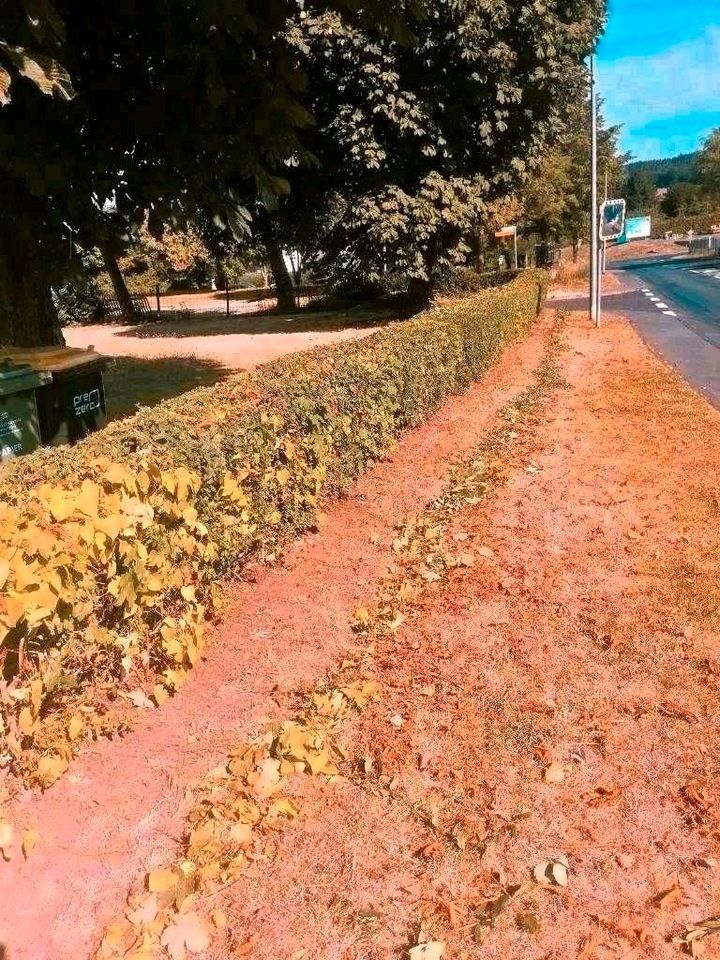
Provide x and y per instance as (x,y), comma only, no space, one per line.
(699,223)
(109,551)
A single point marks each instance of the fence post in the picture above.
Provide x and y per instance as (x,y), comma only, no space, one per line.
(157,297)
(227,298)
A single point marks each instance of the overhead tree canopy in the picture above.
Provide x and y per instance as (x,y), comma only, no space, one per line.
(407,119)
(708,164)
(121,108)
(556,199)
(413,142)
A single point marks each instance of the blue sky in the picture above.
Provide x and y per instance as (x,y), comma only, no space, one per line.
(659,74)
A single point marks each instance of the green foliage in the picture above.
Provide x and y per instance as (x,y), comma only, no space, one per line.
(556,199)
(700,223)
(639,194)
(667,172)
(414,142)
(109,551)
(168,108)
(684,200)
(708,164)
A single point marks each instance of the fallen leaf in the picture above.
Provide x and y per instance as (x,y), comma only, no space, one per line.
(433,950)
(29,841)
(219,919)
(139,699)
(666,898)
(158,881)
(189,932)
(552,871)
(144,912)
(396,721)
(554,773)
(6,839)
(603,794)
(528,922)
(50,768)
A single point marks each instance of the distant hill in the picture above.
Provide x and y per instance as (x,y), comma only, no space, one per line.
(664,173)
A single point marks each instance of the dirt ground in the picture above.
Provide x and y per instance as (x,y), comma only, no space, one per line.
(536,775)
(238,342)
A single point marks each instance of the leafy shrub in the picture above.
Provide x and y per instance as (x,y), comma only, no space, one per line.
(78,301)
(461,280)
(699,224)
(109,551)
(252,279)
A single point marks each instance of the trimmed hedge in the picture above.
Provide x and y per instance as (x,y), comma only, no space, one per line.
(110,551)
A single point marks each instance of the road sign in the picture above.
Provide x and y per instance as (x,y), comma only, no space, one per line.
(510,231)
(612,219)
(638,228)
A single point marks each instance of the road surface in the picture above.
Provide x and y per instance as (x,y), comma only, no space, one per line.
(674,304)
(686,287)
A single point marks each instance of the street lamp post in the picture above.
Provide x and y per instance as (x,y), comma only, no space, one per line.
(594,229)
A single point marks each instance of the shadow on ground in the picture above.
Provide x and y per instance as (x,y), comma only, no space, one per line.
(131,382)
(211,324)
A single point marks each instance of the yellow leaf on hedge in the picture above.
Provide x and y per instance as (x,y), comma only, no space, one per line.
(188,593)
(4,571)
(117,475)
(36,694)
(61,505)
(88,500)
(13,612)
(75,727)
(26,721)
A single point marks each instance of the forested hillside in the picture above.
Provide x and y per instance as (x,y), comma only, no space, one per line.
(665,173)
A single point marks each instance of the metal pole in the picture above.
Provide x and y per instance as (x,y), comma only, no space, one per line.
(604,243)
(515,247)
(227,298)
(157,297)
(594,231)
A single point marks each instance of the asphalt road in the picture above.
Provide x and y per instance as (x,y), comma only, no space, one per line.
(674,304)
(689,286)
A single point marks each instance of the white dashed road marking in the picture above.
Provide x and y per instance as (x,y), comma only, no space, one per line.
(658,302)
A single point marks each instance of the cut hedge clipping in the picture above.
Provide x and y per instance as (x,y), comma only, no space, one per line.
(110,551)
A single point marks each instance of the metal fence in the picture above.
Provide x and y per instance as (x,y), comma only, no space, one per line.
(706,246)
(113,311)
(231,302)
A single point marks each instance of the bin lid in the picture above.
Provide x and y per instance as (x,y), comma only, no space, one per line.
(18,377)
(56,360)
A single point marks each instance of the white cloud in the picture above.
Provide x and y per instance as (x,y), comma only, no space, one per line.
(681,80)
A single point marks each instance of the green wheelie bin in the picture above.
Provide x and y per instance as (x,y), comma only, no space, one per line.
(19,423)
(73,405)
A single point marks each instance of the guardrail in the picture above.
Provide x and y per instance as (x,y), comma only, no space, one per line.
(707,246)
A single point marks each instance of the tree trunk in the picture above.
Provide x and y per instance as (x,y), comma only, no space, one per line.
(28,317)
(118,281)
(419,293)
(281,275)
